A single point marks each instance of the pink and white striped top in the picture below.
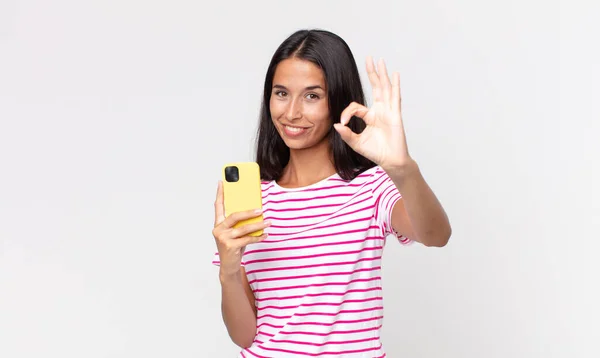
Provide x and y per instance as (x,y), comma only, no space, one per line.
(317,277)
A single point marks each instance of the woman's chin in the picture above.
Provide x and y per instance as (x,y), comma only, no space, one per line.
(296,145)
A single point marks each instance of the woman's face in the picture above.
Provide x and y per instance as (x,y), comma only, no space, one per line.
(299,104)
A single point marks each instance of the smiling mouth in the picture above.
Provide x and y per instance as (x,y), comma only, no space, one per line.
(292,131)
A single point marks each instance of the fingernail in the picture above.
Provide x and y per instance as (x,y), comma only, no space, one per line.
(267,222)
(258,211)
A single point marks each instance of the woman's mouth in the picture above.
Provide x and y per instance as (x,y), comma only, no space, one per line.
(292,131)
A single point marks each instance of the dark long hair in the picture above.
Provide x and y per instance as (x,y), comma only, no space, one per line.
(330,53)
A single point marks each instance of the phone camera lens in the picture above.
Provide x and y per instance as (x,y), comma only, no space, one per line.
(232,174)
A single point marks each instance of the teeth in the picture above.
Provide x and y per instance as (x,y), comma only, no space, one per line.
(293,129)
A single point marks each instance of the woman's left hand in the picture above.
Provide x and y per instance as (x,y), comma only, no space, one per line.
(383,140)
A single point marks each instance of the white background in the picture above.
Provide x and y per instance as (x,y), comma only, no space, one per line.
(116,116)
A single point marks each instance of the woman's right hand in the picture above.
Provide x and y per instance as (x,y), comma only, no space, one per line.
(231,242)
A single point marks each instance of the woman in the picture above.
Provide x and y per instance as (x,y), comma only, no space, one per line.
(331,194)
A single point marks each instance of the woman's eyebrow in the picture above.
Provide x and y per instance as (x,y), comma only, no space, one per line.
(307,88)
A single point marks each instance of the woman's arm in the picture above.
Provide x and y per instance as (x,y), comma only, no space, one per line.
(238,308)
(418,215)
(237,299)
(383,141)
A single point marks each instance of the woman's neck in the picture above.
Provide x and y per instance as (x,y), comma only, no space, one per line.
(307,166)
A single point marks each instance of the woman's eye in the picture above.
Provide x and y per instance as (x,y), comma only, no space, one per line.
(280,94)
(312,96)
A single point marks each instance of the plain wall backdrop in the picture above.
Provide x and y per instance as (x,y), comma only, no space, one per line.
(116,117)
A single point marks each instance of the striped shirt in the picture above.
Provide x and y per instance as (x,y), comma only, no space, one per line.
(317,277)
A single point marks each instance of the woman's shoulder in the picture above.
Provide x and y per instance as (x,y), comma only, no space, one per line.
(267,184)
(367,176)
(374,172)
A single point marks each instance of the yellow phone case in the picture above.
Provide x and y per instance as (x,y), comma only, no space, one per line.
(243,194)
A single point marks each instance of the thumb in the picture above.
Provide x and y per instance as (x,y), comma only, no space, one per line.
(347,134)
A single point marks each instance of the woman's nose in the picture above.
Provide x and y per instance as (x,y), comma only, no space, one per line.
(294,110)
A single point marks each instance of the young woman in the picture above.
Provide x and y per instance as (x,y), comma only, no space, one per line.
(332,172)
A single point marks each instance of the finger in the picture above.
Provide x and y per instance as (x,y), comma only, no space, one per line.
(219,209)
(384,80)
(374,79)
(247,229)
(347,135)
(354,109)
(234,218)
(396,97)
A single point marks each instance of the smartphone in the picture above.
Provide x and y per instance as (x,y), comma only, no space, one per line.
(242,191)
